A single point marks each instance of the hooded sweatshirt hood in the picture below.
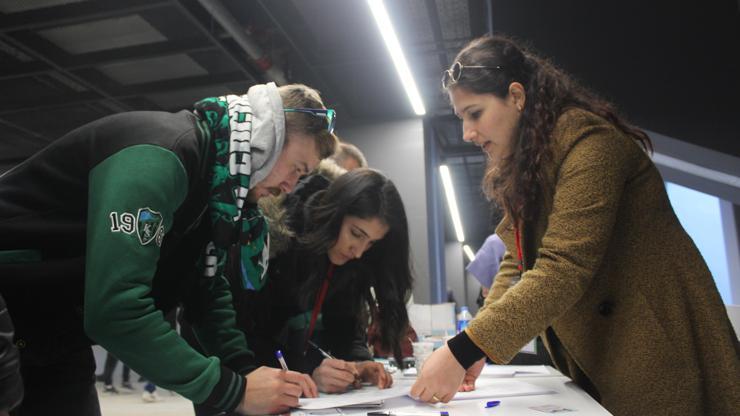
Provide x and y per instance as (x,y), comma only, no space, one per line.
(268,129)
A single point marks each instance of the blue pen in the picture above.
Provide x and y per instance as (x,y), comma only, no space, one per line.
(279,355)
(493,403)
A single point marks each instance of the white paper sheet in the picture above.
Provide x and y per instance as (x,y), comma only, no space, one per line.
(514,370)
(492,388)
(485,388)
(531,347)
(352,397)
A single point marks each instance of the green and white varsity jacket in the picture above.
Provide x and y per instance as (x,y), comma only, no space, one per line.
(99,237)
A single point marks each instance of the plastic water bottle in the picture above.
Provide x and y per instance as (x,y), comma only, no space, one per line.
(463,318)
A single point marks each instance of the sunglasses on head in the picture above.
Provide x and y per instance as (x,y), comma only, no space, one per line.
(452,75)
(329,114)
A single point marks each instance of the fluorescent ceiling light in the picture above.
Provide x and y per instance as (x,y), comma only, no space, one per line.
(452,202)
(468,252)
(394,48)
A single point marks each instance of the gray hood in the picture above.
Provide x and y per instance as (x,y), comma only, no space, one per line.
(268,129)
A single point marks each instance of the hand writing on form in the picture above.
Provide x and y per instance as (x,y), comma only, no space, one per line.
(336,376)
(271,391)
(330,380)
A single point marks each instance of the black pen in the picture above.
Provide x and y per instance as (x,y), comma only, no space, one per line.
(329,356)
(322,352)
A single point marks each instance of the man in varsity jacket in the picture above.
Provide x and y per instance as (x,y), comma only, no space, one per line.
(121,220)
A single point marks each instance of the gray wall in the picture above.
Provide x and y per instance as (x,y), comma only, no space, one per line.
(397,149)
(455,272)
(464,285)
(472,288)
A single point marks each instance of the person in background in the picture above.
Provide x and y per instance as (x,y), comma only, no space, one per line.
(150,393)
(11,384)
(480,272)
(107,377)
(596,260)
(487,260)
(349,157)
(336,241)
(485,265)
(121,220)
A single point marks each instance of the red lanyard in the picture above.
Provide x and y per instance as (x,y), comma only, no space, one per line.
(317,305)
(519,255)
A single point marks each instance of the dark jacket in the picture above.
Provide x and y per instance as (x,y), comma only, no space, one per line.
(11,386)
(99,237)
(277,317)
(630,307)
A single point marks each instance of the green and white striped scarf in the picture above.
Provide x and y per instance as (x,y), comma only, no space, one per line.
(228,120)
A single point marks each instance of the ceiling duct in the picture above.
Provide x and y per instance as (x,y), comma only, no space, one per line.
(232,27)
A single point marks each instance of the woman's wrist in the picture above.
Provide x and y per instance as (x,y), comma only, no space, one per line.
(464,350)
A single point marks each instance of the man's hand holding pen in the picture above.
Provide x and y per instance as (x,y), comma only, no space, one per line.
(270,391)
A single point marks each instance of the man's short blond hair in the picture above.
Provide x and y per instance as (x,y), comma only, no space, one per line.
(349,151)
(302,96)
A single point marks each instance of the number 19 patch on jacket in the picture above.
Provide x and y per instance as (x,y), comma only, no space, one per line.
(147,223)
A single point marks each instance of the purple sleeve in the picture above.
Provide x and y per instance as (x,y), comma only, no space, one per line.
(486,262)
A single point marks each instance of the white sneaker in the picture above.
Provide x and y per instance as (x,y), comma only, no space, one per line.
(149,397)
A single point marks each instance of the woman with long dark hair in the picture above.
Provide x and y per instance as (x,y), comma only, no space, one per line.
(341,258)
(596,260)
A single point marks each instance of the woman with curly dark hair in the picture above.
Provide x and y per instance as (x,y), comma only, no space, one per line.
(340,250)
(596,261)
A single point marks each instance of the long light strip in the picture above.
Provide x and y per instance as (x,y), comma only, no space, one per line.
(394,48)
(452,202)
(468,252)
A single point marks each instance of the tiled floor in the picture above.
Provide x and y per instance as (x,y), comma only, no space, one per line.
(129,403)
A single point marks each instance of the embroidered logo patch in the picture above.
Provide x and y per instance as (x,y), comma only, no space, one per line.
(148,223)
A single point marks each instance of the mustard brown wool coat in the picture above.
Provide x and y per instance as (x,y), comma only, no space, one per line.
(619,291)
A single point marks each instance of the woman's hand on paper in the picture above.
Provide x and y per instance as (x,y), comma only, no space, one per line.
(375,373)
(440,377)
(471,375)
(335,376)
(271,391)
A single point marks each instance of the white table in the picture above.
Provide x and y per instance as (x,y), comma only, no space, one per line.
(567,394)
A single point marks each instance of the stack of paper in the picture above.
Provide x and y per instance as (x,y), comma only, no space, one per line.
(494,388)
(514,370)
(353,397)
(485,388)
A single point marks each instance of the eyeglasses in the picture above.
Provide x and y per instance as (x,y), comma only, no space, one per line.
(452,75)
(329,114)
